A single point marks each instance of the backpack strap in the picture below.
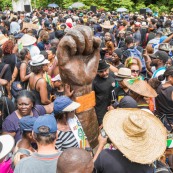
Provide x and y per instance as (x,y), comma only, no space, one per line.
(3,70)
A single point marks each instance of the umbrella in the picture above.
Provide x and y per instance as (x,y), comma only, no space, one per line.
(148,10)
(53,5)
(120,10)
(77,5)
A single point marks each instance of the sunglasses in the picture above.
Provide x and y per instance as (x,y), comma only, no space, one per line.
(135,71)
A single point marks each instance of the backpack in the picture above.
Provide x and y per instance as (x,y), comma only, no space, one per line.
(137,54)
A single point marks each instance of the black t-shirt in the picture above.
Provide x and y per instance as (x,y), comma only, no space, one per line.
(11,60)
(113,161)
(119,93)
(7,74)
(103,88)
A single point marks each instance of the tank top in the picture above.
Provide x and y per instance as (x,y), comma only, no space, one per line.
(164,101)
(37,93)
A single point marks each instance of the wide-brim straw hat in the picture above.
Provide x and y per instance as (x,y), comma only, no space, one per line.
(140,87)
(6,145)
(139,135)
(107,25)
(27,40)
(3,39)
(165,47)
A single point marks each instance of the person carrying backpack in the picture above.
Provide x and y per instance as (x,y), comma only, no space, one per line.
(134,51)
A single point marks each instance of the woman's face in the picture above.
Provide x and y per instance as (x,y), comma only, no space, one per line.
(115,57)
(169,63)
(45,67)
(24,105)
(135,70)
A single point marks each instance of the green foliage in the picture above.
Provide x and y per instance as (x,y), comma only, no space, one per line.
(5,3)
(140,5)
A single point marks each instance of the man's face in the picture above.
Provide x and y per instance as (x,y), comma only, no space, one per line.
(154,62)
(104,73)
(107,36)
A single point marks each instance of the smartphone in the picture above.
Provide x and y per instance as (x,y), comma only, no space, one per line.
(103,133)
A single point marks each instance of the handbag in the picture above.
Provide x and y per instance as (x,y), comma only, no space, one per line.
(16,87)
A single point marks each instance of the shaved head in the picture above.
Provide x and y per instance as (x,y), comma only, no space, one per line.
(75,160)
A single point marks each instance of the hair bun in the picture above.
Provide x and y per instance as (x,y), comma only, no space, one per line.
(161,77)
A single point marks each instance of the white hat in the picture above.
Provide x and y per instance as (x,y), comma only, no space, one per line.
(27,40)
(56,78)
(6,145)
(34,19)
(38,60)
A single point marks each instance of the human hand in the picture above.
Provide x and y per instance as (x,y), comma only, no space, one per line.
(102,140)
(67,91)
(110,108)
(78,56)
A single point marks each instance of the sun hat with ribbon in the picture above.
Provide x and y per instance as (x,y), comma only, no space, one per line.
(107,25)
(122,74)
(139,135)
(27,40)
(140,87)
(39,60)
(6,145)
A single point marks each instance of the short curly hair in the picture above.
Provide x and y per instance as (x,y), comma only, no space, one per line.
(7,47)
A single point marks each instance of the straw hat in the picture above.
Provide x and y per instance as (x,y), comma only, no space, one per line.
(107,25)
(165,47)
(27,40)
(140,87)
(122,74)
(3,39)
(6,145)
(139,135)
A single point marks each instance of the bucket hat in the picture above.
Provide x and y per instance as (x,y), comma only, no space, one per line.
(122,74)
(27,40)
(140,87)
(165,47)
(6,145)
(139,135)
(39,60)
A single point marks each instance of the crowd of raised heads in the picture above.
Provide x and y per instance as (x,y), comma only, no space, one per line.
(86,92)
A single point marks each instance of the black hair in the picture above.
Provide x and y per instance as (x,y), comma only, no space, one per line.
(23,53)
(53,50)
(44,53)
(167,73)
(27,94)
(1,53)
(129,40)
(36,69)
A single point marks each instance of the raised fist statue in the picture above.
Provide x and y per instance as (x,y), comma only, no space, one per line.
(78,58)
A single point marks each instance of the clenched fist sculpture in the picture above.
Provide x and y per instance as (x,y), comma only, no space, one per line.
(78,58)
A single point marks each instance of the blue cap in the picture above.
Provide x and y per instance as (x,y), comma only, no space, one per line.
(18,36)
(64,104)
(46,121)
(26,123)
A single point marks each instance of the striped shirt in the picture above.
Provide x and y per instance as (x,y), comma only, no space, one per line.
(66,140)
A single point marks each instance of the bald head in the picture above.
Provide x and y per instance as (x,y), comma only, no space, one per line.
(75,160)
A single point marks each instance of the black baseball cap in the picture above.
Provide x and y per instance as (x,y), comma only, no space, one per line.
(162,55)
(48,25)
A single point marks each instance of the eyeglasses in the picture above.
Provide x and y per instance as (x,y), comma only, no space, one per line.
(135,71)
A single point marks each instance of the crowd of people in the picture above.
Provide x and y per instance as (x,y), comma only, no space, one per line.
(86,92)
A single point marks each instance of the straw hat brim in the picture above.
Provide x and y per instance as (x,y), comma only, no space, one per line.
(27,40)
(143,150)
(7,142)
(106,26)
(2,41)
(141,87)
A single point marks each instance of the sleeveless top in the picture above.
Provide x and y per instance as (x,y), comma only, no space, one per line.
(37,93)
(164,101)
